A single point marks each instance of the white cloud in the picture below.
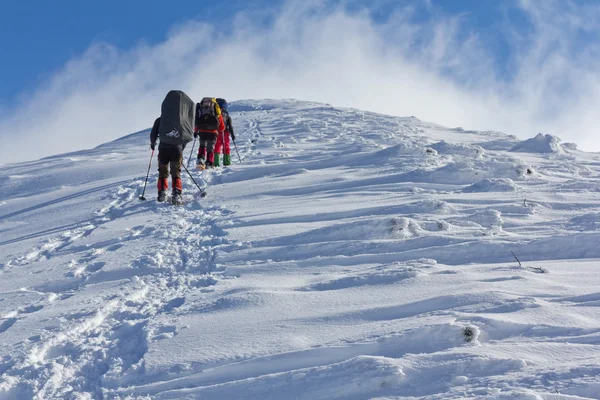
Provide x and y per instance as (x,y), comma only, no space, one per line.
(433,70)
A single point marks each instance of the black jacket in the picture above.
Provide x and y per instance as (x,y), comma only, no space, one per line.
(154,131)
(228,124)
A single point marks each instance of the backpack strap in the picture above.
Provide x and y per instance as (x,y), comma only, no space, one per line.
(217,108)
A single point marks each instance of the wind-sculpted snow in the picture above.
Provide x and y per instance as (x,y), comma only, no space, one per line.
(540,144)
(349,255)
(492,185)
(453,149)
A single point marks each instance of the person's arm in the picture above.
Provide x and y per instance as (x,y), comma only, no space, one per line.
(196,117)
(154,133)
(230,127)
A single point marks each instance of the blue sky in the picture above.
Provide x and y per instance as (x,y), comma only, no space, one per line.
(518,66)
(41,36)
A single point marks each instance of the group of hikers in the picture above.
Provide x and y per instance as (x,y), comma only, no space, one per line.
(182,121)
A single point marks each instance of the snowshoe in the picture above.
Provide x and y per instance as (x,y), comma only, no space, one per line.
(200,164)
(162,196)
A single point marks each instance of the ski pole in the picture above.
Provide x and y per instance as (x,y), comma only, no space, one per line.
(147,174)
(202,192)
(236,150)
(191,152)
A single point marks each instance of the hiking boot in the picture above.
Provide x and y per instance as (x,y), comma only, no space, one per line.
(217,162)
(162,196)
(200,164)
(176,198)
(227,159)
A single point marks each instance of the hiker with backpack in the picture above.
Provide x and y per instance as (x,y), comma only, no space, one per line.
(174,129)
(208,125)
(223,138)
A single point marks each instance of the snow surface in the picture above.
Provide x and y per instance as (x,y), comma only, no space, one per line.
(350,255)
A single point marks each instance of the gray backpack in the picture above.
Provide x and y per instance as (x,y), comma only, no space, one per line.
(176,119)
(207,115)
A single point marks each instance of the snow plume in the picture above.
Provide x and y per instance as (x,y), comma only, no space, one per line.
(436,68)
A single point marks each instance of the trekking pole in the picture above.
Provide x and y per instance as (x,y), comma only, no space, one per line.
(236,150)
(202,192)
(191,152)
(147,174)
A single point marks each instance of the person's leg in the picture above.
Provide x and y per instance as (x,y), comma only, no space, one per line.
(210,151)
(226,150)
(163,174)
(201,150)
(176,159)
(218,148)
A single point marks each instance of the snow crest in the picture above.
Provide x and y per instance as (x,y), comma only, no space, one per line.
(344,255)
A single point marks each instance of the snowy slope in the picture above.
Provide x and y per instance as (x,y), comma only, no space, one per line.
(344,258)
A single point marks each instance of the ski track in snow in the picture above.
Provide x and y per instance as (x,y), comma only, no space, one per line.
(308,273)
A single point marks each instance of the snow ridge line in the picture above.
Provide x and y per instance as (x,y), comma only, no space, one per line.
(103,350)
